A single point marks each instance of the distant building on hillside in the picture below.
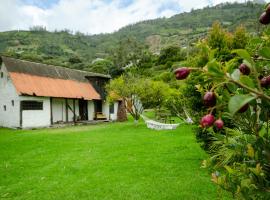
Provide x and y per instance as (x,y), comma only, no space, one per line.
(39,95)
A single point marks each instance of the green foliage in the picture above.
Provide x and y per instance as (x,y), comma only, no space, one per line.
(208,55)
(240,38)
(244,55)
(238,101)
(128,89)
(124,86)
(246,169)
(199,55)
(170,54)
(50,50)
(175,104)
(154,94)
(128,52)
(164,76)
(74,59)
(213,68)
(191,96)
(240,151)
(265,52)
(101,66)
(218,38)
(148,93)
(222,41)
(183,30)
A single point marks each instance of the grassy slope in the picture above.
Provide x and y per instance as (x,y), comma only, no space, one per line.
(109,161)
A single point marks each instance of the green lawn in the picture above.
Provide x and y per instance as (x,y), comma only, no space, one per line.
(109,161)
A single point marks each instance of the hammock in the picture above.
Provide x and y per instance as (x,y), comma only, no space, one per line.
(188,120)
(161,126)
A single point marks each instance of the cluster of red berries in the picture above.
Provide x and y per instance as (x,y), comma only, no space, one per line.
(265,81)
(265,16)
(209,119)
(209,98)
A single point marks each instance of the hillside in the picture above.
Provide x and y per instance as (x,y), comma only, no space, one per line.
(79,50)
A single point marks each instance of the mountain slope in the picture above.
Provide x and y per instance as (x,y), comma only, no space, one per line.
(78,50)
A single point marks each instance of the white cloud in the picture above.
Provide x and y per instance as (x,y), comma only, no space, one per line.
(91,16)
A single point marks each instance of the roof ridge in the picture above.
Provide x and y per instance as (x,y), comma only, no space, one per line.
(57,66)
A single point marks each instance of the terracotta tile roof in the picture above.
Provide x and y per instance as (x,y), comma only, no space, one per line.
(27,84)
(37,79)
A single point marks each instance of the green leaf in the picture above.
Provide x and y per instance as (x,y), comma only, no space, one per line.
(246,80)
(265,52)
(230,170)
(238,101)
(243,54)
(247,63)
(236,75)
(212,54)
(245,183)
(250,151)
(225,95)
(231,87)
(214,69)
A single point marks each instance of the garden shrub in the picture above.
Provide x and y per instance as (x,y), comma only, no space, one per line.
(235,127)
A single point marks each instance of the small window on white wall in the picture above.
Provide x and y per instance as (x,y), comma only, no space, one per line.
(2,74)
(5,108)
(12,102)
(32,105)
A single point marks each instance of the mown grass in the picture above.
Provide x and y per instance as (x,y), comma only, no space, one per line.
(108,161)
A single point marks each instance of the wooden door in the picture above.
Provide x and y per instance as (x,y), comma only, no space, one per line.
(83,109)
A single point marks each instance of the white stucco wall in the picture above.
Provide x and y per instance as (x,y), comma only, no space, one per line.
(42,118)
(36,118)
(113,116)
(91,110)
(39,118)
(70,113)
(58,110)
(11,117)
(106,109)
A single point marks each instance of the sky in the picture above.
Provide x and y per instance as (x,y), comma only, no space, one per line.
(90,16)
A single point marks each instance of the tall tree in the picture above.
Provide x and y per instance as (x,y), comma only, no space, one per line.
(128,54)
(127,88)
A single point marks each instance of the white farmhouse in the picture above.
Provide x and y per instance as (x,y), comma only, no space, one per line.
(39,95)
